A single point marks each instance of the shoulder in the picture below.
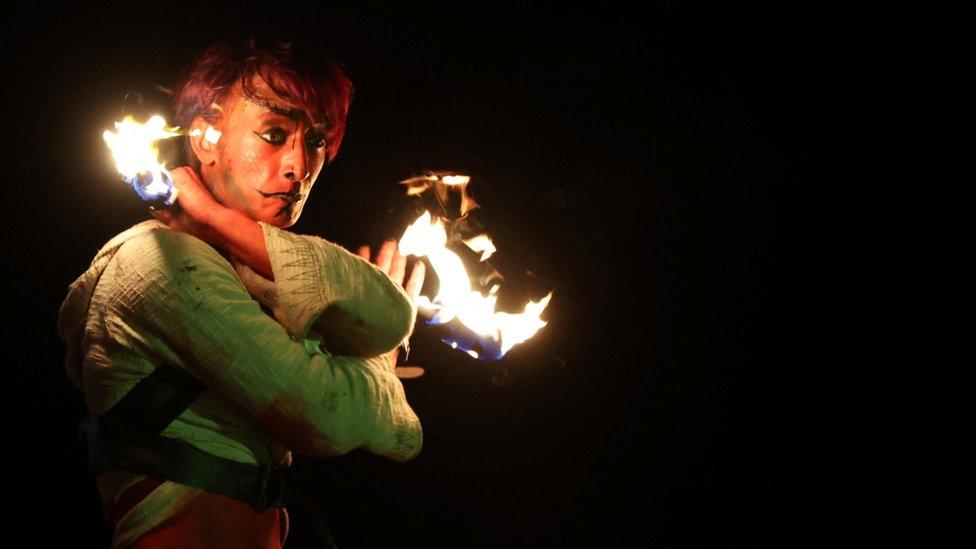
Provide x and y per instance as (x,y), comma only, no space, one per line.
(165,245)
(164,257)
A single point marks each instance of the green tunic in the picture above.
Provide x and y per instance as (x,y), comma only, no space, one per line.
(154,296)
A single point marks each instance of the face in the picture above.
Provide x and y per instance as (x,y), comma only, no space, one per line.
(267,157)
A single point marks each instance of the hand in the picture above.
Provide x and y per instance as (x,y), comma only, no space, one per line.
(193,209)
(394,264)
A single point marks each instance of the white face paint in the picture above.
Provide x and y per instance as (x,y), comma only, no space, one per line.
(212,135)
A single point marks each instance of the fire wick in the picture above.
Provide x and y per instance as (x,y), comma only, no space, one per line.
(155,187)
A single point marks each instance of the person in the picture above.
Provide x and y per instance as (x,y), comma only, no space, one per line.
(275,342)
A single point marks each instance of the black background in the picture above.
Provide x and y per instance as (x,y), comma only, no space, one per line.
(657,169)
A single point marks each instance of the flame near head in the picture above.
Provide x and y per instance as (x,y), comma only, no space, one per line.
(136,156)
(497,332)
(133,145)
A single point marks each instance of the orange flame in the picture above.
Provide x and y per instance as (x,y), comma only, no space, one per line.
(497,331)
(133,145)
(134,150)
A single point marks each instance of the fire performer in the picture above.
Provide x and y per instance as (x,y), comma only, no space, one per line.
(210,342)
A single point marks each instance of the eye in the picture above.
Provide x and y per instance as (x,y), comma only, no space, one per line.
(275,136)
(314,140)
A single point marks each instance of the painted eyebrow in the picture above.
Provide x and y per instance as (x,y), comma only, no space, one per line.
(294,114)
(321,128)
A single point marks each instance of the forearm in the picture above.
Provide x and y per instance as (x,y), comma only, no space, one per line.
(355,305)
(362,405)
(241,237)
(204,322)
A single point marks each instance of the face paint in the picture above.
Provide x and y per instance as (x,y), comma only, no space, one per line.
(212,135)
(268,158)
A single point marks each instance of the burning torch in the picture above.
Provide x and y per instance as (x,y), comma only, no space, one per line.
(136,156)
(469,315)
(133,147)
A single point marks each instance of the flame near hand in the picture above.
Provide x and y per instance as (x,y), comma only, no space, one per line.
(133,147)
(497,332)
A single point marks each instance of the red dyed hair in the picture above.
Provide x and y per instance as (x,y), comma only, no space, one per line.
(312,81)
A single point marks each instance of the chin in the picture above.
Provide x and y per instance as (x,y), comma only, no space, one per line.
(283,221)
(280,221)
(286,222)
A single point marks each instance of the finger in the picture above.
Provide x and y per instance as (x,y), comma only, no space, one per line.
(398,268)
(363,252)
(416,281)
(384,257)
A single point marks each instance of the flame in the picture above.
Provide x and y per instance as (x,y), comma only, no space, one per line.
(136,157)
(455,179)
(497,331)
(133,146)
(441,184)
(483,245)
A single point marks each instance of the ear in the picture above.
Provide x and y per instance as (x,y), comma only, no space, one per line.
(202,143)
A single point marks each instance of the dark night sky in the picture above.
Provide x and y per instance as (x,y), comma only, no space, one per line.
(658,170)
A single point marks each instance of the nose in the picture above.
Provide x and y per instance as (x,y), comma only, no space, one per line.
(295,164)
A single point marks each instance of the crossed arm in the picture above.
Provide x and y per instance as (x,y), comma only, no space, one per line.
(189,304)
(312,401)
(346,326)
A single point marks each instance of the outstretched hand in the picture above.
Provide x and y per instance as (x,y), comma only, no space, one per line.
(389,260)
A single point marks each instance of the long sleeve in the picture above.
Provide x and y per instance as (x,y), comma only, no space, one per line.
(183,293)
(350,302)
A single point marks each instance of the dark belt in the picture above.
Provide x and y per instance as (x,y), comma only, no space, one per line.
(127,438)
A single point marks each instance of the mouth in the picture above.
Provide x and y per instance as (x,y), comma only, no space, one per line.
(289,198)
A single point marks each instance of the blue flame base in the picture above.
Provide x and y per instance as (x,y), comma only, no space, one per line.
(146,186)
(460,337)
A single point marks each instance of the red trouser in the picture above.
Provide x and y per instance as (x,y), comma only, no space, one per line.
(210,520)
